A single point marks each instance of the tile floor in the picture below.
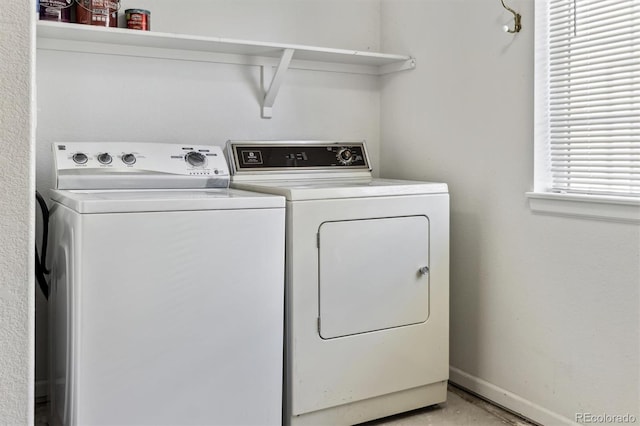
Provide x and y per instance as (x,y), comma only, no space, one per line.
(461,409)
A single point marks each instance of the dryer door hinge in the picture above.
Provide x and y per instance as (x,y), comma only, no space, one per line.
(318,325)
(318,240)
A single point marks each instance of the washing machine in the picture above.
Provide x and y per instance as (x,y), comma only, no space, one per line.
(167,289)
(367,280)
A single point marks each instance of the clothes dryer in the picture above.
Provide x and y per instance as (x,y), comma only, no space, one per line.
(367,280)
(167,289)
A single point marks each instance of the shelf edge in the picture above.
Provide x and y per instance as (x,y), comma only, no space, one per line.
(124,42)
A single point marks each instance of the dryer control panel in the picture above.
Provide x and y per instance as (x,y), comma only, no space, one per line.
(287,156)
(138,165)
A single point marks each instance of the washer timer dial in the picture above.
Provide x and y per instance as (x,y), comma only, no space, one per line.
(345,156)
(195,159)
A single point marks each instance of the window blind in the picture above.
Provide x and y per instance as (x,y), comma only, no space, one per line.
(593,108)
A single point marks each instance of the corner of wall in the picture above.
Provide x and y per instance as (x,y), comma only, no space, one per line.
(506,399)
(17,133)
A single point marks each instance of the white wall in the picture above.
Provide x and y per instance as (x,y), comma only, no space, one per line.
(544,310)
(84,97)
(16,217)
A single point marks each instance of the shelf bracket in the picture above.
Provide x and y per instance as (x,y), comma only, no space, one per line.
(275,81)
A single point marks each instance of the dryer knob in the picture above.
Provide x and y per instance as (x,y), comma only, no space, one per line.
(345,156)
(195,159)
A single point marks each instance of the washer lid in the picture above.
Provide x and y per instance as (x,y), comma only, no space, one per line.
(320,189)
(163,200)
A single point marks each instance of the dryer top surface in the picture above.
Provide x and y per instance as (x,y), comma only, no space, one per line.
(318,189)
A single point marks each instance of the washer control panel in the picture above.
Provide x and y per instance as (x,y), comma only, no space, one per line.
(297,155)
(143,165)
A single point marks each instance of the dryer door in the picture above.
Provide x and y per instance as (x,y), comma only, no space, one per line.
(373,274)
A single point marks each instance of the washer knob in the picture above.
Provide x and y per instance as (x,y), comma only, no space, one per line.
(105,158)
(196,159)
(345,156)
(80,158)
(129,159)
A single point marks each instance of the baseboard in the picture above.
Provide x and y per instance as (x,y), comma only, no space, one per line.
(41,391)
(507,399)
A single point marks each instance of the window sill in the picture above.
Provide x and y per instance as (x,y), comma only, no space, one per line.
(613,209)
